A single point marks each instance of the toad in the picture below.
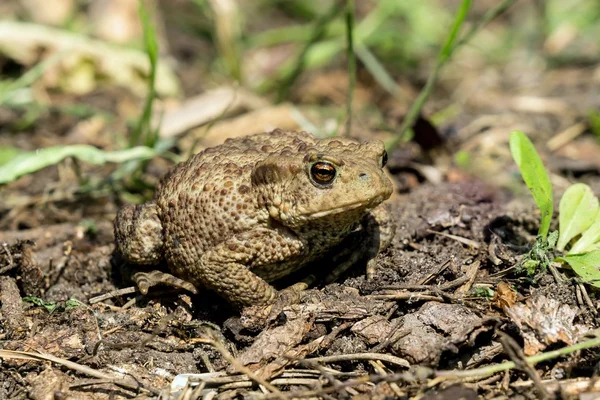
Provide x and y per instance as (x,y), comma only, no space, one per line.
(235,217)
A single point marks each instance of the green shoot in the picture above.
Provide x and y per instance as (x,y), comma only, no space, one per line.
(143,131)
(535,176)
(351,63)
(538,258)
(579,218)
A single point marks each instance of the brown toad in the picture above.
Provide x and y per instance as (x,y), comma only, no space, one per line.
(254,209)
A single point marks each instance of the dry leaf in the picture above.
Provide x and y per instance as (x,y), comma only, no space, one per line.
(544,321)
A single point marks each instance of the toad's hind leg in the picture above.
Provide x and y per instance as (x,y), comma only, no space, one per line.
(139,239)
(139,234)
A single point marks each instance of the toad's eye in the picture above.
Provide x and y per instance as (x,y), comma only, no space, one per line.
(384,158)
(322,173)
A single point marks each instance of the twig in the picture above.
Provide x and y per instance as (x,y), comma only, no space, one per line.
(127,383)
(373,379)
(351,63)
(11,263)
(471,273)
(566,136)
(515,353)
(378,367)
(459,239)
(239,366)
(406,296)
(113,294)
(508,365)
(362,356)
(586,298)
(432,275)
(226,109)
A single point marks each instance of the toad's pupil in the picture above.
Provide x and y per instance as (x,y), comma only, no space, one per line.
(323,172)
(384,159)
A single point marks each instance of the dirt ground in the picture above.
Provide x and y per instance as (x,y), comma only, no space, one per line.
(446,295)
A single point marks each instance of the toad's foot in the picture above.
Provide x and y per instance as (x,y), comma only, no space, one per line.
(145,280)
(257,317)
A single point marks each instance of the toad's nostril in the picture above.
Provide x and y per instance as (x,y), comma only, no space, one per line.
(363,175)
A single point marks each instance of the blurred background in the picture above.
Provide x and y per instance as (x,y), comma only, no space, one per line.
(146,84)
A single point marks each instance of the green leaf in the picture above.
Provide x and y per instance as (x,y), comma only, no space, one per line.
(50,306)
(483,291)
(535,177)
(73,303)
(578,210)
(589,238)
(31,161)
(586,266)
(7,153)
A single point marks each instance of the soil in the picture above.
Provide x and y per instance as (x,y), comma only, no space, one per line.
(447,294)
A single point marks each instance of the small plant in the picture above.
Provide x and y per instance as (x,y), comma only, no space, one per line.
(50,306)
(578,236)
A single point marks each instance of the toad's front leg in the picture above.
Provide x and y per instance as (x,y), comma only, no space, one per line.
(227,268)
(375,235)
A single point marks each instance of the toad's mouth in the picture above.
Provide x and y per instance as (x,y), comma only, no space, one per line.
(365,205)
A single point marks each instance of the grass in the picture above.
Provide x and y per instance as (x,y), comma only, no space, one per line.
(375,41)
(291,75)
(351,63)
(143,132)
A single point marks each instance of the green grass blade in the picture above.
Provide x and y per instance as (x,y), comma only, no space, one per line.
(445,53)
(143,131)
(535,176)
(317,34)
(30,77)
(351,63)
(31,161)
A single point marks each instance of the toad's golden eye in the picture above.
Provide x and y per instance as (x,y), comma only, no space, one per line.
(384,158)
(322,173)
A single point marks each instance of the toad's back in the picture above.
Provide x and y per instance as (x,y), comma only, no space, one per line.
(209,197)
